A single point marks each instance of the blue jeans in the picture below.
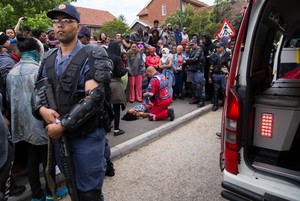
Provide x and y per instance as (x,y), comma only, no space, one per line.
(88,160)
(178,82)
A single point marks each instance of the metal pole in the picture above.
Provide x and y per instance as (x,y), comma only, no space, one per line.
(181,21)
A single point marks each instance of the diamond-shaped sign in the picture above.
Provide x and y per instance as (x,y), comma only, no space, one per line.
(226,29)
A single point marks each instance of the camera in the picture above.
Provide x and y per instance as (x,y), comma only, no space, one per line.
(24,19)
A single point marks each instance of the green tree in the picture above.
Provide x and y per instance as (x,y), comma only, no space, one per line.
(208,21)
(114,27)
(187,16)
(34,10)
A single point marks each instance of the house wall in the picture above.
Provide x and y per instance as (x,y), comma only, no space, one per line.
(155,10)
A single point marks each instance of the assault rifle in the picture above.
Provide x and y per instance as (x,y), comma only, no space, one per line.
(47,95)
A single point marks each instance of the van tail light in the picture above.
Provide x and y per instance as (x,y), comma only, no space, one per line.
(267,125)
(231,132)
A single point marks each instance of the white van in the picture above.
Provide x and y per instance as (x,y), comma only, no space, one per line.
(260,152)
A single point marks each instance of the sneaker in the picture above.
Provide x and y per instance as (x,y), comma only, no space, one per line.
(60,193)
(41,199)
(110,171)
(118,132)
(15,190)
(49,198)
(171,114)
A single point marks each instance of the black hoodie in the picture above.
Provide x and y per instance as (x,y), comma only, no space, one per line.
(114,53)
(209,47)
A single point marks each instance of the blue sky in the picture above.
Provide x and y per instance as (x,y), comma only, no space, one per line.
(129,8)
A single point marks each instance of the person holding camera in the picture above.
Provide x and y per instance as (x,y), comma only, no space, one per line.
(219,72)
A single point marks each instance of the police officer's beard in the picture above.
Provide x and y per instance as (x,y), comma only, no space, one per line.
(67,38)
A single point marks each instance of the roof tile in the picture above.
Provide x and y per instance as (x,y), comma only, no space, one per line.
(90,16)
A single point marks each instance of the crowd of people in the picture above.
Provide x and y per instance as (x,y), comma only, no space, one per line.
(153,66)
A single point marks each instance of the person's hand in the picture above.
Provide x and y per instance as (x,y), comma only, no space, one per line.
(48,115)
(175,70)
(55,130)
(128,69)
(210,80)
(20,19)
(224,69)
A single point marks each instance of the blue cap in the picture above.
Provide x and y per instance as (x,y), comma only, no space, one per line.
(220,44)
(84,31)
(193,41)
(64,8)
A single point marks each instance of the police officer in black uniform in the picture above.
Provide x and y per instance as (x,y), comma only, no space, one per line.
(219,72)
(195,63)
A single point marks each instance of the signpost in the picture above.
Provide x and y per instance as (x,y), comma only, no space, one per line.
(226,29)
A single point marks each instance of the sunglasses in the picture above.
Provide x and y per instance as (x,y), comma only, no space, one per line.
(63,21)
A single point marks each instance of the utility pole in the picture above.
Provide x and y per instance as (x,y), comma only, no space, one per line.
(181,21)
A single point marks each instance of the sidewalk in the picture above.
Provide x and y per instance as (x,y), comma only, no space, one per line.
(138,134)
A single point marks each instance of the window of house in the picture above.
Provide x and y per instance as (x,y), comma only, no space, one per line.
(164,9)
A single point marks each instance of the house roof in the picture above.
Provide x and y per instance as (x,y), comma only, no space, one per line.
(95,17)
(138,21)
(196,2)
(144,11)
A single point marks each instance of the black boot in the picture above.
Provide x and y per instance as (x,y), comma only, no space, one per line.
(214,108)
(110,171)
(171,114)
(15,190)
(201,98)
(93,195)
(201,104)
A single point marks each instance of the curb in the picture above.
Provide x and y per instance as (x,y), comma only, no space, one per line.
(144,139)
(133,144)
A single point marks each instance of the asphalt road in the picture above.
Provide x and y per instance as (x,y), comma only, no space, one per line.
(135,128)
(182,165)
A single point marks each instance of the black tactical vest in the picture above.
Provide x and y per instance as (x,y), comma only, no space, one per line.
(65,89)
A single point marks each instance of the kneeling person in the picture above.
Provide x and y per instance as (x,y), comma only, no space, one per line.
(159,95)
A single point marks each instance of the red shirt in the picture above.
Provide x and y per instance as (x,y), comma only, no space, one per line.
(152,61)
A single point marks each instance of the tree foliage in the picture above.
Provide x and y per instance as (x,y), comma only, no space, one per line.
(208,21)
(187,16)
(114,27)
(34,10)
